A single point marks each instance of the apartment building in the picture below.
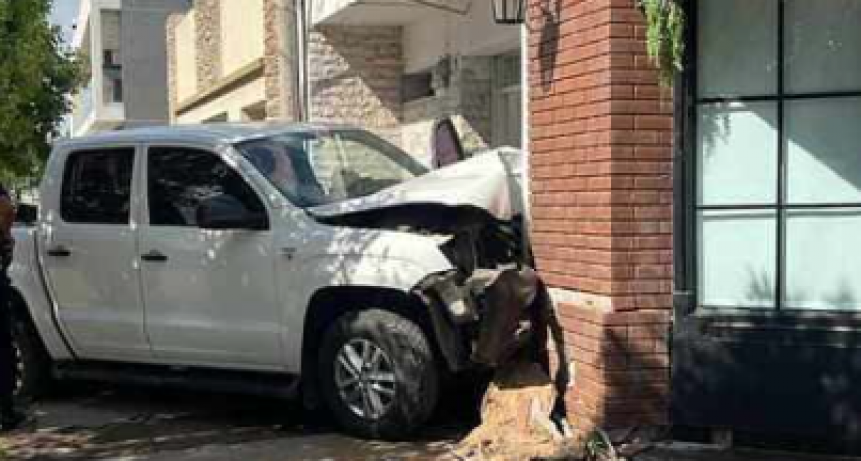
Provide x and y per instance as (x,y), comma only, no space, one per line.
(124,45)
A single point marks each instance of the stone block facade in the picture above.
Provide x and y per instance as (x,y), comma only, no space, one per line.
(466,99)
(207,17)
(278,59)
(355,77)
(601,146)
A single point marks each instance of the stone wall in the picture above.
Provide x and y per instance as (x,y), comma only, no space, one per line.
(474,88)
(278,22)
(355,76)
(146,64)
(207,18)
(601,175)
(466,100)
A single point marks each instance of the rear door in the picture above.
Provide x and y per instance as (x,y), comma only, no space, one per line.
(90,254)
(210,295)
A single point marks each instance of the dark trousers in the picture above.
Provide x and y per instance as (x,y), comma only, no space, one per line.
(8,366)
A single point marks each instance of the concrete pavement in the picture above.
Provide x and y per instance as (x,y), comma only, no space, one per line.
(88,422)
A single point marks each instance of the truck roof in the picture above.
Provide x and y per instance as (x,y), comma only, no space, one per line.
(216,133)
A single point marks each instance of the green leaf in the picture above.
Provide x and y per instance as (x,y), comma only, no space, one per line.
(36,75)
(665,36)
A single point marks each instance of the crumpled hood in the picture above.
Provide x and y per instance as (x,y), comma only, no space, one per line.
(490,181)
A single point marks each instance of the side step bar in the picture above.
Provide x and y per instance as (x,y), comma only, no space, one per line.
(249,383)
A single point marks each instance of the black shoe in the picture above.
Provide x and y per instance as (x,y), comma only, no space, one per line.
(11,420)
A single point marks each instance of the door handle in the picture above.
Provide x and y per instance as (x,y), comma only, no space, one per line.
(59,251)
(154,256)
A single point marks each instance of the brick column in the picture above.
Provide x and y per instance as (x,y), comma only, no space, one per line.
(601,133)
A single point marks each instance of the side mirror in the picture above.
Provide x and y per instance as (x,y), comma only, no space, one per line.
(446,148)
(26,214)
(223,212)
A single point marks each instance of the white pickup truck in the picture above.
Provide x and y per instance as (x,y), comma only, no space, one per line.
(272,259)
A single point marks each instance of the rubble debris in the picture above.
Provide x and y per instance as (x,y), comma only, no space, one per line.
(516,420)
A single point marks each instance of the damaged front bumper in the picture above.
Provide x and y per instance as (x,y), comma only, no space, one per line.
(485,318)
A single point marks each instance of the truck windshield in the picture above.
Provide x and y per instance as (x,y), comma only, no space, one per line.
(318,168)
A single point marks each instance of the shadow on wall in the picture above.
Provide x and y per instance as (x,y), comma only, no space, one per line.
(778,380)
(356,77)
(549,47)
(636,372)
(822,167)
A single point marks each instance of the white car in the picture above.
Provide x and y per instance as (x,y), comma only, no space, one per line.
(272,259)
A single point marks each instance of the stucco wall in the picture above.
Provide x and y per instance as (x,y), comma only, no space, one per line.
(232,103)
(355,75)
(144,51)
(186,58)
(439,34)
(241,33)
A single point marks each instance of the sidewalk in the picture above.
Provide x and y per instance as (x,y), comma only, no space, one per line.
(689,452)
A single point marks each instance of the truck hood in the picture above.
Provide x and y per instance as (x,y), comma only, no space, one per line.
(490,181)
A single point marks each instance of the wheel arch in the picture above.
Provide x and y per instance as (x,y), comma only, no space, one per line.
(330,303)
(20,310)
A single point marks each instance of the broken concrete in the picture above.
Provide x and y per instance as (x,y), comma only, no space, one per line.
(516,420)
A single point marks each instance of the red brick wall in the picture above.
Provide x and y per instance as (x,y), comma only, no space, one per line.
(601,133)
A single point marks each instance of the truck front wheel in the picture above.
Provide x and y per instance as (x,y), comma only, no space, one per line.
(378,374)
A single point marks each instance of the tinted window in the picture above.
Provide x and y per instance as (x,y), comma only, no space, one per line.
(97,187)
(180,179)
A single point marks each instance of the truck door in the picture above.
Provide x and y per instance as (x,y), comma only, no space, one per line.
(210,294)
(89,251)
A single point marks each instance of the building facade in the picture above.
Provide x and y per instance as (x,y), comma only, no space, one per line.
(221,63)
(392,68)
(697,242)
(123,44)
(449,59)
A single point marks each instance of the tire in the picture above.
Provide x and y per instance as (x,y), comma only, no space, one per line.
(34,364)
(399,369)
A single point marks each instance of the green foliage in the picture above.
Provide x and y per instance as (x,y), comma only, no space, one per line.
(598,447)
(665,36)
(36,75)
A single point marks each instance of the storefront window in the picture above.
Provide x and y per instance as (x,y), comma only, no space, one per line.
(779,154)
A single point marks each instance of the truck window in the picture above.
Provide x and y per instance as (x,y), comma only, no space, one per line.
(180,179)
(97,187)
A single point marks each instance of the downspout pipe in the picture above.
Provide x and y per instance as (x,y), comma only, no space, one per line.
(301,30)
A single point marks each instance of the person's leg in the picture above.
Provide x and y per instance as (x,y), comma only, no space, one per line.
(9,417)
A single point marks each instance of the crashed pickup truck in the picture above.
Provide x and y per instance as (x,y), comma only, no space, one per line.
(275,259)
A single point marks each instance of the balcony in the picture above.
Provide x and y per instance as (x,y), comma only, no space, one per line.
(99,105)
(382,12)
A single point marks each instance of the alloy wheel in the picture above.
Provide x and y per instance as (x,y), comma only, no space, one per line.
(365,379)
